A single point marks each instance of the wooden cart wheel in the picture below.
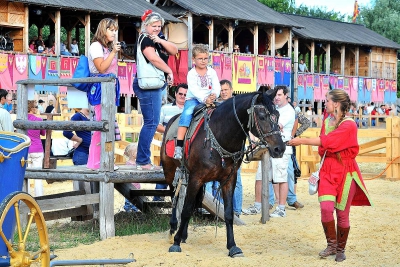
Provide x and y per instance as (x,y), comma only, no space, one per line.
(20,256)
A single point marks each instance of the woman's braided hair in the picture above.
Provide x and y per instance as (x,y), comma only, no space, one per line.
(340,96)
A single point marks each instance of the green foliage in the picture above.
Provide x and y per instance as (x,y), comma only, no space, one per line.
(289,7)
(383,18)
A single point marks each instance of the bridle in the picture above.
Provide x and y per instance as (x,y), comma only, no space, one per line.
(253,121)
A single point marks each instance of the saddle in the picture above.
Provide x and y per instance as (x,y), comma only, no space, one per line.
(197,121)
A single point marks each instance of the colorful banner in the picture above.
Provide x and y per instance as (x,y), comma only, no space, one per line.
(282,71)
(244,73)
(265,70)
(317,88)
(222,64)
(179,66)
(126,74)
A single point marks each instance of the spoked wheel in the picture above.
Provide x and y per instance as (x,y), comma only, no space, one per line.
(20,256)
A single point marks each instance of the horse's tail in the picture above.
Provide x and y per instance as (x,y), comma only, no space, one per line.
(198,203)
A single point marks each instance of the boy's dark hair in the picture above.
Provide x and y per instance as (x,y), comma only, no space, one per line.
(222,82)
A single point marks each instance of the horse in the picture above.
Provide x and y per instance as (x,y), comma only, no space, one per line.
(216,155)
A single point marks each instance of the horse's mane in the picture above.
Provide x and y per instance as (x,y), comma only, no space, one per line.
(246,98)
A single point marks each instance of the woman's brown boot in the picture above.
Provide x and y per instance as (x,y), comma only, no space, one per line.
(330,234)
(342,234)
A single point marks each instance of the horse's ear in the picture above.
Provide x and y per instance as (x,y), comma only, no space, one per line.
(271,93)
(264,88)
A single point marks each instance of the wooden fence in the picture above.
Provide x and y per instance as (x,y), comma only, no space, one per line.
(379,144)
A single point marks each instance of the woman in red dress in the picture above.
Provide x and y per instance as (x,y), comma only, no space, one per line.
(341,184)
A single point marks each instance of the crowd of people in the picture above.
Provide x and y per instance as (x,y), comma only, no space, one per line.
(340,186)
(48,47)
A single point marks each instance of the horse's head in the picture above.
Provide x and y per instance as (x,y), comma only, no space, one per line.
(264,122)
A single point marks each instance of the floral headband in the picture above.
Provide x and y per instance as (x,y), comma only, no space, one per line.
(146,14)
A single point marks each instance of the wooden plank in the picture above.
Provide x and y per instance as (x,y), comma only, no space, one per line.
(61,195)
(102,126)
(106,211)
(68,202)
(214,207)
(67,213)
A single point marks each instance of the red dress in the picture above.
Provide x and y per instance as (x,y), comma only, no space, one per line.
(336,175)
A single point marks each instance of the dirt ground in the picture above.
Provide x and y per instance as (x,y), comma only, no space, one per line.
(295,240)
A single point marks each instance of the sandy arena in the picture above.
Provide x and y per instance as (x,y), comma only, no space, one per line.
(296,240)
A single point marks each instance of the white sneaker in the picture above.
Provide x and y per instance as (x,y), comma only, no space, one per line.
(278,213)
(178,152)
(252,210)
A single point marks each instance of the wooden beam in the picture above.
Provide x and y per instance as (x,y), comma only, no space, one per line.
(52,17)
(102,126)
(82,20)
(266,170)
(357,61)
(251,30)
(236,33)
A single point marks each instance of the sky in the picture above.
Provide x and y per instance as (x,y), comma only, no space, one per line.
(342,6)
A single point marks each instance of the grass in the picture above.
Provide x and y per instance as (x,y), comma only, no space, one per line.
(72,234)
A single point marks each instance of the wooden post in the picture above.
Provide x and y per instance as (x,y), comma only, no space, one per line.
(266,170)
(211,35)
(47,148)
(255,39)
(296,66)
(57,35)
(190,38)
(342,59)
(26,31)
(312,56)
(87,34)
(328,59)
(106,205)
(230,37)
(357,61)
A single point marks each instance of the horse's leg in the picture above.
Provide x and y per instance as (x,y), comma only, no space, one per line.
(227,191)
(191,193)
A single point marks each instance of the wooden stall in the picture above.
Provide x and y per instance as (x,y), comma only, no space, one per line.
(12,22)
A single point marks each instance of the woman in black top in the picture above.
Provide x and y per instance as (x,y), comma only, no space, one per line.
(151,40)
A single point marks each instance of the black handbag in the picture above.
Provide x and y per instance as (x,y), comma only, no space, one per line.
(296,167)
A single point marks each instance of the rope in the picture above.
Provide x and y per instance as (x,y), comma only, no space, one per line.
(380,174)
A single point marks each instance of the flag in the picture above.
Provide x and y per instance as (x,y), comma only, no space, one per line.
(356,11)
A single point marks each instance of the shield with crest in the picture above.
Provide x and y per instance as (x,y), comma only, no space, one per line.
(35,64)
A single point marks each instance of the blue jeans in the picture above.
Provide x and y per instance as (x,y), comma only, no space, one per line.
(291,197)
(237,201)
(80,157)
(187,113)
(150,105)
(159,186)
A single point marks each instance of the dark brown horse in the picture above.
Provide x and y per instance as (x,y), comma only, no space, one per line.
(217,156)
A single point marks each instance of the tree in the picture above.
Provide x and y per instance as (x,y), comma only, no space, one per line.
(289,7)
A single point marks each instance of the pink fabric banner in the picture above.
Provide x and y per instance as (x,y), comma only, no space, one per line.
(265,70)
(318,88)
(179,65)
(126,71)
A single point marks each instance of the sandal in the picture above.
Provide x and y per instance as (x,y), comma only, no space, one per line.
(148,167)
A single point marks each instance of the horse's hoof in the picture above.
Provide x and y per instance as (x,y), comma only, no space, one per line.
(183,241)
(235,252)
(175,248)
